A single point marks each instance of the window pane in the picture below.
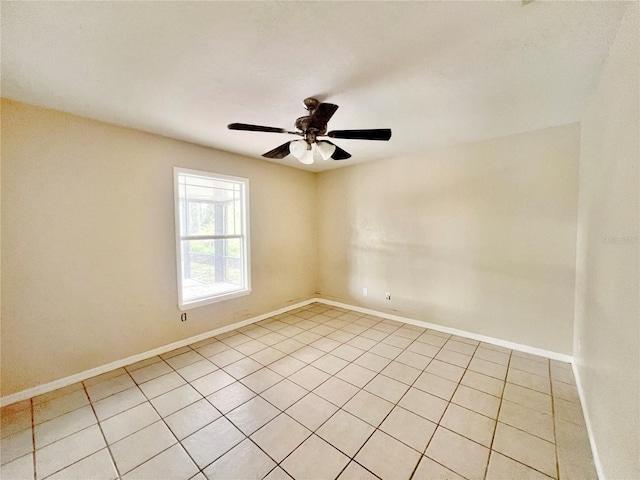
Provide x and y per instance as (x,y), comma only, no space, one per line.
(208,270)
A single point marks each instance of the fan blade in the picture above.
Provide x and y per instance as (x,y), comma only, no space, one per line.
(255,128)
(278,152)
(339,154)
(373,134)
(322,115)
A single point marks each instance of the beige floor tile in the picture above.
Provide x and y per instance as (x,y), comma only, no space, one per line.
(315,459)
(435,385)
(231,396)
(484,383)
(409,428)
(288,346)
(372,361)
(564,375)
(286,366)
(268,356)
(175,352)
(280,436)
(192,418)
(413,359)
(326,344)
(234,338)
(565,391)
(387,388)
(252,415)
(226,357)
(386,351)
(307,354)
(445,370)
(501,358)
(574,451)
(309,377)
(242,368)
(150,372)
(197,370)
(336,391)
(172,401)
(355,471)
(212,348)
(307,337)
(128,422)
(529,380)
(212,382)
(363,343)
(453,357)
(525,448)
(339,335)
(87,383)
(98,466)
(61,454)
(251,347)
(568,411)
(469,424)
(109,387)
(244,461)
(401,372)
(430,470)
(531,421)
(445,448)
(396,341)
(530,356)
(424,404)
(23,405)
(372,334)
(16,446)
(19,469)
(460,347)
(501,468)
(431,339)
(345,432)
(488,368)
(59,406)
(347,352)
(387,457)
(184,359)
(118,403)
(278,474)
(45,397)
(423,349)
(530,366)
(284,394)
(330,364)
(163,384)
(15,422)
(356,375)
(63,426)
(368,407)
(291,331)
(528,398)
(354,328)
(142,363)
(261,380)
(212,441)
(141,446)
(312,411)
(255,331)
(477,401)
(173,463)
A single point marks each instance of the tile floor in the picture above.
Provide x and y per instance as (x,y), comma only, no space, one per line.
(317,393)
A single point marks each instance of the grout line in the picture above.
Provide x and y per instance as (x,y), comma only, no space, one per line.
(33,437)
(553,419)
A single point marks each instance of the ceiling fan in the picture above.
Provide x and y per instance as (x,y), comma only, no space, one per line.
(310,127)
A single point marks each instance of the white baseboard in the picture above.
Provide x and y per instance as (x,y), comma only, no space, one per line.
(78,377)
(587,420)
(562,357)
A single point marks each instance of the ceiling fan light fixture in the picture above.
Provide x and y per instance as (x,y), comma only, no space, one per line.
(326,149)
(302,151)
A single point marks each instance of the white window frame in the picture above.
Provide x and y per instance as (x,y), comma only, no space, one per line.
(246,261)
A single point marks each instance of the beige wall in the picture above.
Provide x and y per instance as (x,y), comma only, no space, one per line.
(607,331)
(479,237)
(88,249)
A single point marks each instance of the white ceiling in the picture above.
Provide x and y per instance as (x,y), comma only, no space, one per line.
(436,73)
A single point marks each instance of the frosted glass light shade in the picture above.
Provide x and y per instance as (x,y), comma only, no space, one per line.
(307,158)
(298,148)
(326,149)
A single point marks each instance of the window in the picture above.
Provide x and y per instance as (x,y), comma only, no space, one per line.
(212,238)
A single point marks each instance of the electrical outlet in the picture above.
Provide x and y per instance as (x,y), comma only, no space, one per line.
(365,292)
(183,317)
(387,296)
